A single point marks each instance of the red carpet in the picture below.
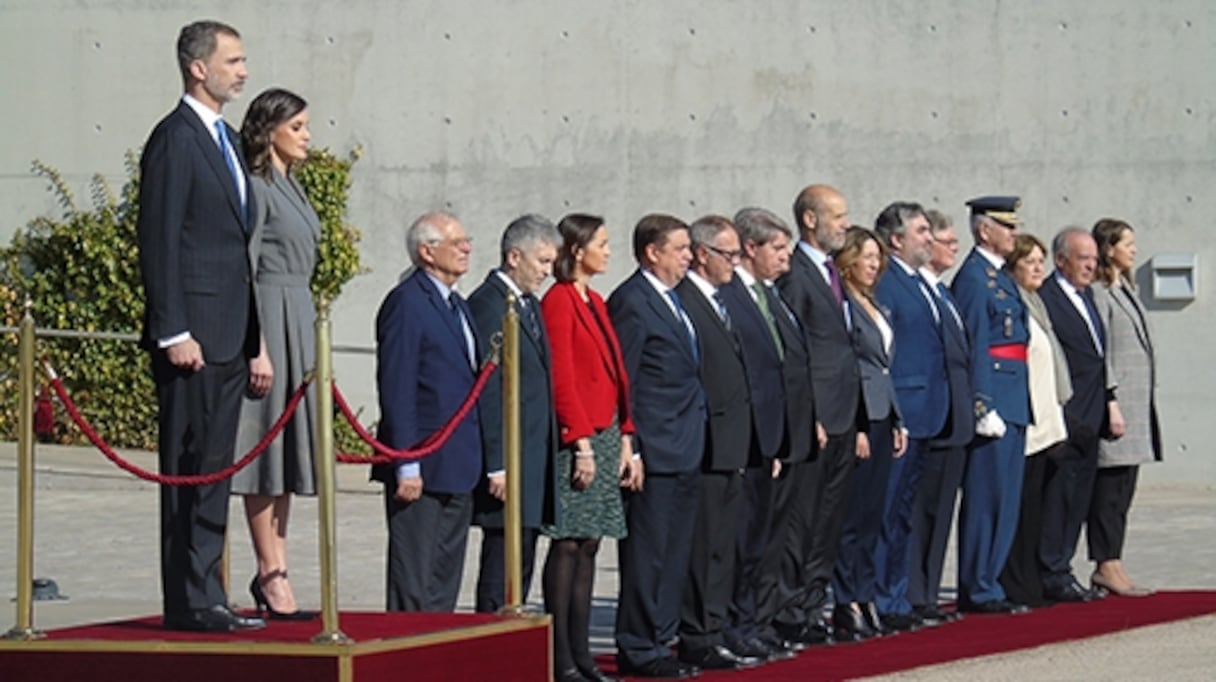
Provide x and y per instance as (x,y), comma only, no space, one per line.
(420,646)
(974,636)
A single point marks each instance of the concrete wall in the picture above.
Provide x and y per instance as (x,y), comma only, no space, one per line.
(492,109)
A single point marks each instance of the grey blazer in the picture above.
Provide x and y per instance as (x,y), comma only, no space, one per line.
(1131,370)
(874,362)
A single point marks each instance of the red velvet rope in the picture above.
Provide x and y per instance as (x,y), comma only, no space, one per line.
(424,447)
(165,479)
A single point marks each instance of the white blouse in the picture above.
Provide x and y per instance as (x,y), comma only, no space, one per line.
(1048,426)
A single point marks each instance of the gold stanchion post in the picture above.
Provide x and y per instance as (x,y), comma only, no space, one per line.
(326,489)
(24,629)
(512,514)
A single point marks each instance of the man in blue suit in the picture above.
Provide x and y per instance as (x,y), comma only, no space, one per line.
(995,318)
(918,372)
(662,358)
(933,513)
(529,247)
(427,355)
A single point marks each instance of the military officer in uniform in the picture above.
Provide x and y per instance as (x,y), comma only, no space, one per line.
(995,318)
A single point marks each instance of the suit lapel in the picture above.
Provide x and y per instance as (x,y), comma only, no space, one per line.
(210,150)
(664,311)
(1124,298)
(582,311)
(691,297)
(290,192)
(444,312)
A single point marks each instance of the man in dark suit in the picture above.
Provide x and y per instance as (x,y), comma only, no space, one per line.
(782,579)
(918,372)
(662,359)
(427,358)
(995,318)
(529,247)
(764,243)
(1069,481)
(933,512)
(707,593)
(814,292)
(200,323)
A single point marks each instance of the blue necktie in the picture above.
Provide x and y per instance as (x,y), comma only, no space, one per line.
(230,158)
(683,319)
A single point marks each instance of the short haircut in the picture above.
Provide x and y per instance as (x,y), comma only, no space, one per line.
(576,230)
(425,230)
(938,221)
(197,42)
(653,229)
(759,226)
(1059,245)
(855,239)
(707,228)
(894,219)
(527,232)
(1023,245)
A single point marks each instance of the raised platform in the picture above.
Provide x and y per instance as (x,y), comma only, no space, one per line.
(419,646)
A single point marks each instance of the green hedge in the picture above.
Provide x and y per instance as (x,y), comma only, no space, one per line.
(81,271)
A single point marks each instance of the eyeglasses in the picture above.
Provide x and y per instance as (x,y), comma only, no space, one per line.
(458,242)
(731,256)
(950,243)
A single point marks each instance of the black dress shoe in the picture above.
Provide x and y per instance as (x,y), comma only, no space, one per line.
(930,615)
(218,618)
(719,657)
(769,650)
(569,675)
(590,671)
(667,668)
(1066,592)
(849,625)
(869,612)
(901,622)
(994,606)
(799,637)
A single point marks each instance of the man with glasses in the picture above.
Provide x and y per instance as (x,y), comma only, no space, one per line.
(707,593)
(427,357)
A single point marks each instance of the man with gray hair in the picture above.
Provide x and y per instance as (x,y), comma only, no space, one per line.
(1069,481)
(427,358)
(918,372)
(529,247)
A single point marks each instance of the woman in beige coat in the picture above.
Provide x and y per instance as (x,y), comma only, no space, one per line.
(1132,376)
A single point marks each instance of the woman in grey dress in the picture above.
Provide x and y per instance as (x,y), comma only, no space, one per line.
(283,249)
(1131,374)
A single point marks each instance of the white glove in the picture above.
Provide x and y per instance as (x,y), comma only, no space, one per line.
(990,425)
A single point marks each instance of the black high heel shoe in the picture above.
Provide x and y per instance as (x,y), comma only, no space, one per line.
(259,598)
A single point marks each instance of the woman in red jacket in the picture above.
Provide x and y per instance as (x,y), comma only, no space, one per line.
(591,398)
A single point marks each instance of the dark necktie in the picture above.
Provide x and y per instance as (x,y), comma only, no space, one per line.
(683,319)
(767,313)
(834,281)
(459,317)
(230,158)
(945,297)
(722,312)
(530,316)
(1095,324)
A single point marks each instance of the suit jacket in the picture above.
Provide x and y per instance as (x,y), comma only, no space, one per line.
(960,424)
(729,428)
(538,426)
(799,388)
(193,241)
(1131,371)
(766,385)
(918,365)
(423,374)
(874,361)
(590,386)
(993,312)
(834,373)
(668,401)
(1086,366)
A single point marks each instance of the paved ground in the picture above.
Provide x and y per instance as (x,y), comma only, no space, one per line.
(96,536)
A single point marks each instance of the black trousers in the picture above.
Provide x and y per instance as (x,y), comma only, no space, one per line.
(1114,489)
(198,415)
(491,592)
(704,609)
(751,541)
(932,517)
(654,564)
(1067,490)
(782,573)
(856,574)
(1021,577)
(832,484)
(426,545)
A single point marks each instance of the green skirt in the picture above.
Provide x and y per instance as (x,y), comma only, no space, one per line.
(596,511)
